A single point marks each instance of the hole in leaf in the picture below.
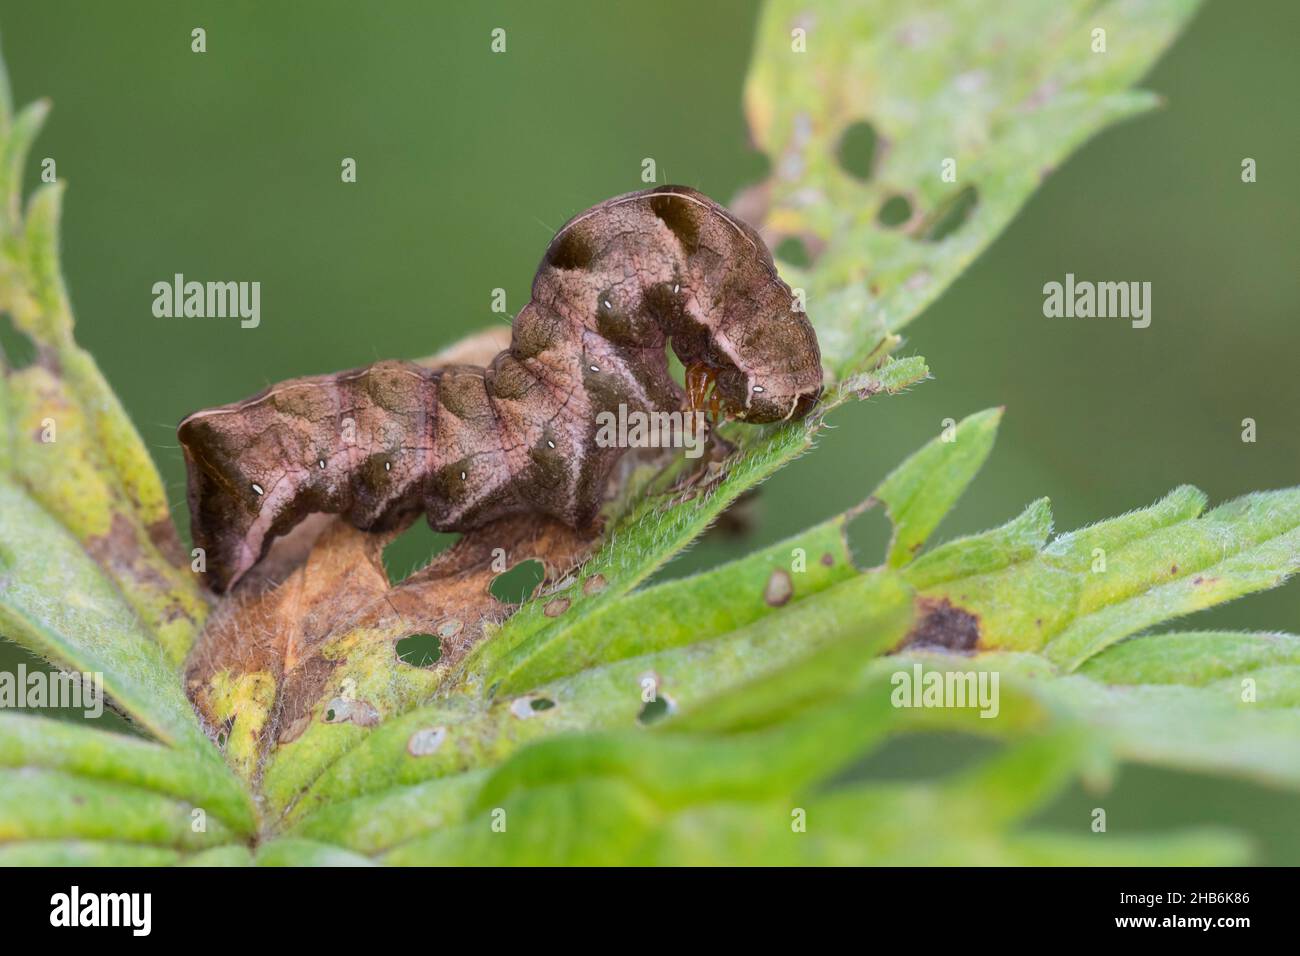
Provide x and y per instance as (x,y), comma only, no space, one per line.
(896,211)
(420,650)
(16,348)
(654,710)
(794,250)
(857,150)
(329,714)
(413,549)
(224,731)
(525,708)
(515,585)
(949,215)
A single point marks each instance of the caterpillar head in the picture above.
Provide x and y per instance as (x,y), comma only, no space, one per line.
(774,371)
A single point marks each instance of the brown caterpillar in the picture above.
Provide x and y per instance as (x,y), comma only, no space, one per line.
(467,445)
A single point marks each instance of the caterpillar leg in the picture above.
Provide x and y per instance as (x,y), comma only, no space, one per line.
(699,379)
(700,392)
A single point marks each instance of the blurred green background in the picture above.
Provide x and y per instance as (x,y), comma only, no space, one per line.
(226,166)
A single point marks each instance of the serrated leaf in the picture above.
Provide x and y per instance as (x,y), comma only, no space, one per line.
(690,609)
(1018,540)
(920,491)
(67,445)
(17,141)
(1006,97)
(1091,588)
(462,732)
(1210,729)
(1249,544)
(698,799)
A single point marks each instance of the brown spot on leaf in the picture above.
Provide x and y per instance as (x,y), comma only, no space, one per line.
(779,589)
(940,623)
(120,552)
(345,710)
(594,584)
(164,537)
(426,741)
(557,607)
(828,559)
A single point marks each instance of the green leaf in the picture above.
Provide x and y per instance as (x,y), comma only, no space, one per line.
(1018,540)
(1249,544)
(1007,96)
(701,798)
(1216,701)
(463,733)
(91,578)
(380,821)
(49,804)
(584,823)
(15,143)
(1207,729)
(1091,588)
(1203,846)
(289,852)
(57,602)
(690,609)
(69,451)
(80,853)
(920,491)
(1201,659)
(233,855)
(826,669)
(195,776)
